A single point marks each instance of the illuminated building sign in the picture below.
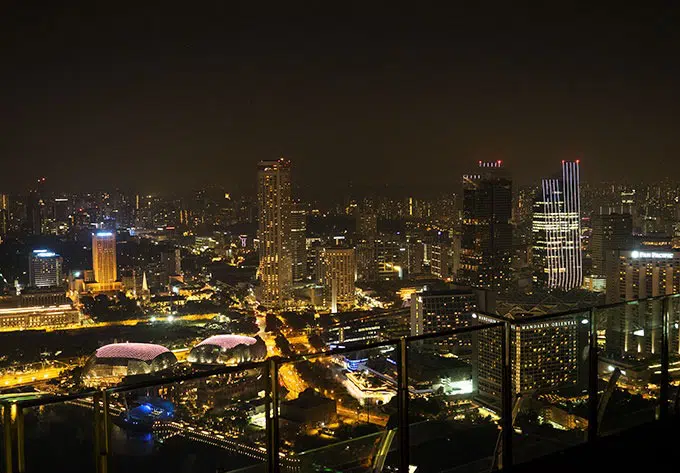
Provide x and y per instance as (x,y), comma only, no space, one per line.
(651,254)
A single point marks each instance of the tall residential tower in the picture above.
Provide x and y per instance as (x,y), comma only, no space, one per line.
(339,275)
(274,205)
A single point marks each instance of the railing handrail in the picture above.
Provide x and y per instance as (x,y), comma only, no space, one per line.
(575,311)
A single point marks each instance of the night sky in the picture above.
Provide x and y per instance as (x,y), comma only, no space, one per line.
(160,97)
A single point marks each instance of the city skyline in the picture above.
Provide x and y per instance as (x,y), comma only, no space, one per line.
(337,237)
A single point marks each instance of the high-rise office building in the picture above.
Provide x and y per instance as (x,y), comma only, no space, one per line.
(172,261)
(171,266)
(367,267)
(611,231)
(391,258)
(274,204)
(641,273)
(436,310)
(104,257)
(635,274)
(367,224)
(4,215)
(416,252)
(45,268)
(61,209)
(557,230)
(298,238)
(486,241)
(440,260)
(33,224)
(339,275)
(545,356)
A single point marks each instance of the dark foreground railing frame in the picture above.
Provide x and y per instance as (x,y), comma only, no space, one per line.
(14,430)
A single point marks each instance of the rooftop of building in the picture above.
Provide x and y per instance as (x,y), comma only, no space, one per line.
(133,351)
(228,341)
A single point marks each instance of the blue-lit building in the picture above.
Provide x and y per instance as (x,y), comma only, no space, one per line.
(45,268)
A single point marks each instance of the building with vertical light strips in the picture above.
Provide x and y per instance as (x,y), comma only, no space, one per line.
(275,270)
(556,227)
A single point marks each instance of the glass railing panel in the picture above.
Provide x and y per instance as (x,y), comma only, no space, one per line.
(674,353)
(211,423)
(2,437)
(629,364)
(339,412)
(60,437)
(455,401)
(550,369)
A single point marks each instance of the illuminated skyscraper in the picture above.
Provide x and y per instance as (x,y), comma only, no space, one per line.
(340,273)
(298,229)
(274,205)
(367,224)
(4,215)
(33,224)
(104,257)
(486,242)
(171,266)
(44,269)
(545,355)
(611,231)
(436,310)
(557,230)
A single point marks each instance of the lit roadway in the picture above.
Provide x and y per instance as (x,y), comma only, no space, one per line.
(33,373)
(364,415)
(288,375)
(120,323)
(20,379)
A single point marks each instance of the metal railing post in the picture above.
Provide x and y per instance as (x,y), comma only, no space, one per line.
(272,407)
(506,397)
(106,433)
(592,376)
(21,440)
(665,378)
(402,397)
(7,426)
(96,398)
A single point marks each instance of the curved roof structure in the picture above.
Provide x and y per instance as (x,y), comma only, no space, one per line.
(228,341)
(134,351)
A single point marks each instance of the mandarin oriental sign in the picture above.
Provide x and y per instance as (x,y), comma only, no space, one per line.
(651,254)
